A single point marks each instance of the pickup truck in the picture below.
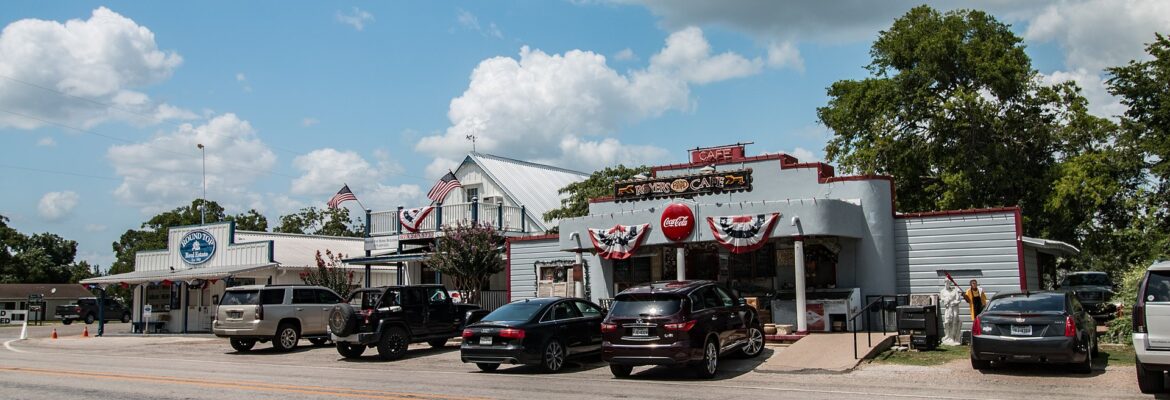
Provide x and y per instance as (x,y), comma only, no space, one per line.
(86,309)
(1095,291)
(391,318)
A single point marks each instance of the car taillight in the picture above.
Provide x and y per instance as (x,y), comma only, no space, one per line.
(77,310)
(467,333)
(366,313)
(259,311)
(609,327)
(1139,311)
(1070,326)
(976,327)
(681,326)
(512,333)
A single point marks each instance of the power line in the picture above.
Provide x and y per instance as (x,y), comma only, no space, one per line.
(59,172)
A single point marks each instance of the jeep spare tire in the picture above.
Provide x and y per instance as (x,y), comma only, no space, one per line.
(342,320)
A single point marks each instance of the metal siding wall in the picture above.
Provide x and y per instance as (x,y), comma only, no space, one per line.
(523,264)
(1032,268)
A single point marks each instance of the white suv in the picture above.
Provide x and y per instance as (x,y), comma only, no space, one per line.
(1151,328)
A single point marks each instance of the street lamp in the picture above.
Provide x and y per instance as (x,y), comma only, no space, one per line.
(203,204)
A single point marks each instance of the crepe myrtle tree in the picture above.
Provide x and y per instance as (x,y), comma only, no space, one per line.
(329,273)
(469,255)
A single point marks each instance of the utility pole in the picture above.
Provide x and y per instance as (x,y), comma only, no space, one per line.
(203,204)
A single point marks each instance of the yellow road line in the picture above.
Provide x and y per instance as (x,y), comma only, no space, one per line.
(243,385)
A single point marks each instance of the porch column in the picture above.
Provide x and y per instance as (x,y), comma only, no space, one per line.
(185,293)
(680,257)
(801,302)
(366,277)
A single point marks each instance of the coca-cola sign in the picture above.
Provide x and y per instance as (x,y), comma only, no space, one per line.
(678,221)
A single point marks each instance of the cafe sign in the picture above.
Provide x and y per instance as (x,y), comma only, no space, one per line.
(715,155)
(684,186)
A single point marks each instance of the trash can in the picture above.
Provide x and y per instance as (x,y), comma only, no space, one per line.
(921,323)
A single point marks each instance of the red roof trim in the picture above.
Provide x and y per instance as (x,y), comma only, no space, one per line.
(1020,250)
(972,211)
(602,199)
(534,237)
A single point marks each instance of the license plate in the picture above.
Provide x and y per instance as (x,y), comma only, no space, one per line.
(1021,330)
(641,331)
(485,340)
(235,314)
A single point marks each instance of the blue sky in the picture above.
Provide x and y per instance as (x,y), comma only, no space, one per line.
(101,104)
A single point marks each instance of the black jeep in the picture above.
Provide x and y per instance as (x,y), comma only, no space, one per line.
(391,318)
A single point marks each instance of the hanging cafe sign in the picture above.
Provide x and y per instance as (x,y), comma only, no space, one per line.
(681,186)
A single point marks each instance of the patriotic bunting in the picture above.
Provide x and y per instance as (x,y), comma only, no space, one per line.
(619,242)
(743,233)
(411,218)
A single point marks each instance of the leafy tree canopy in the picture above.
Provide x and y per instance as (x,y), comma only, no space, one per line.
(315,221)
(153,232)
(469,254)
(599,184)
(38,258)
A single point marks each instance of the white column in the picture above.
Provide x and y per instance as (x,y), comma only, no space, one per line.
(801,302)
(681,259)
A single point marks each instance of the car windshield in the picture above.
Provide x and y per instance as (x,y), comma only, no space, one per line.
(1024,303)
(240,297)
(521,311)
(633,305)
(1089,279)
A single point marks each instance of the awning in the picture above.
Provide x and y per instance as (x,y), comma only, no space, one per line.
(178,275)
(1053,247)
(387,259)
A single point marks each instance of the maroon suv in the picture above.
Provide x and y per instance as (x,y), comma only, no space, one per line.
(678,323)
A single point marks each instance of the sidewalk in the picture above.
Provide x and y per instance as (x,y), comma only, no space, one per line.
(825,352)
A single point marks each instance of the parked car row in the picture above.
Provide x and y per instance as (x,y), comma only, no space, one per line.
(681,323)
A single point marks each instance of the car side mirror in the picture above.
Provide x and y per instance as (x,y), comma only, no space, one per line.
(742,301)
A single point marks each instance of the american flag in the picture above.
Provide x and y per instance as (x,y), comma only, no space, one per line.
(444,186)
(342,196)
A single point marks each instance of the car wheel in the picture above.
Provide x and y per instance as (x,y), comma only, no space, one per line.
(755,343)
(66,321)
(488,367)
(620,371)
(554,356)
(317,341)
(125,318)
(89,319)
(1085,367)
(286,337)
(1149,381)
(706,369)
(393,343)
(980,364)
(242,345)
(437,343)
(350,350)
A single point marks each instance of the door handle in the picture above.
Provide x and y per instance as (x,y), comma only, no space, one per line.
(300,309)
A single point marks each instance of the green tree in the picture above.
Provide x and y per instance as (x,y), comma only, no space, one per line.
(1141,86)
(37,258)
(153,232)
(328,222)
(250,221)
(599,184)
(330,272)
(470,254)
(956,114)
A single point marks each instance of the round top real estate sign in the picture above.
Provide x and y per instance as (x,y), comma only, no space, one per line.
(197,247)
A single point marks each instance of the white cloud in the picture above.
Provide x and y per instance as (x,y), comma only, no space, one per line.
(1098,34)
(1093,87)
(243,80)
(440,166)
(94,63)
(309,121)
(55,206)
(324,171)
(47,141)
(785,54)
(165,171)
(105,260)
(625,54)
(545,106)
(95,228)
(470,22)
(240,77)
(357,18)
(803,154)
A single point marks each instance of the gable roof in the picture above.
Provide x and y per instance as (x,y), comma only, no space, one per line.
(529,184)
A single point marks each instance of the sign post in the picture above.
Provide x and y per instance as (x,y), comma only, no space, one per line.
(146,309)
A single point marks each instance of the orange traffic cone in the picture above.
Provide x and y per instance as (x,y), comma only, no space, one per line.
(85,332)
(54,333)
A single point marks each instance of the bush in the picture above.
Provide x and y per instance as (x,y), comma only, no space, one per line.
(1121,328)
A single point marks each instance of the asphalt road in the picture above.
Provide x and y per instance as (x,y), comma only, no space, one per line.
(201,367)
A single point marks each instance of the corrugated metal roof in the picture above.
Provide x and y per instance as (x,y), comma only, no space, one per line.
(293,250)
(179,274)
(529,184)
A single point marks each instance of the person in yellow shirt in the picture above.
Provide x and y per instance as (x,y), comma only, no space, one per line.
(976,298)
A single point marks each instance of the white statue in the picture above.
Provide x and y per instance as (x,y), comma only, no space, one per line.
(949,299)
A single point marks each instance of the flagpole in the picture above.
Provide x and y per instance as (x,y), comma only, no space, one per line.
(355,196)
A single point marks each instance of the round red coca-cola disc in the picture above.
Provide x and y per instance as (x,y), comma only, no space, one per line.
(678,221)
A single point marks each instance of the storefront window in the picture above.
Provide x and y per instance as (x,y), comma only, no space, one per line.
(751,273)
(631,272)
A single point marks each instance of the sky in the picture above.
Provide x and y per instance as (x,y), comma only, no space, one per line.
(102,104)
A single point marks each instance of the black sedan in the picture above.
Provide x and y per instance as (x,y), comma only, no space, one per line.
(1036,327)
(542,331)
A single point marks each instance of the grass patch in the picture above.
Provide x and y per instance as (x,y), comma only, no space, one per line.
(1117,354)
(938,356)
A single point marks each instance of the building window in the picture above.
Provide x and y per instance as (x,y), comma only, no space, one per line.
(630,272)
(470,193)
